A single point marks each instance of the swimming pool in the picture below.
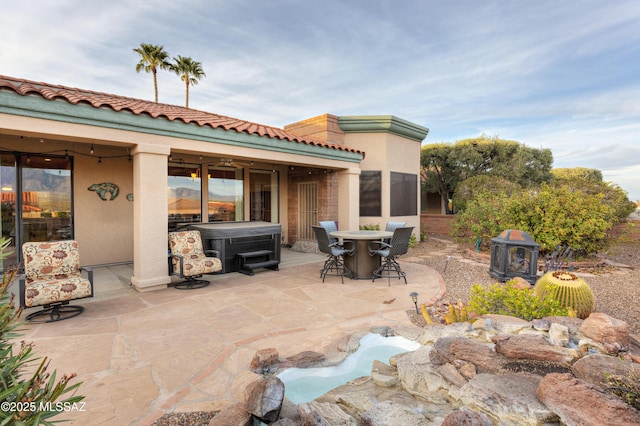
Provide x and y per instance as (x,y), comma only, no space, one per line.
(306,384)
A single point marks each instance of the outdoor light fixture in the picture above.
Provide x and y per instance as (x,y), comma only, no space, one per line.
(414,298)
(91,150)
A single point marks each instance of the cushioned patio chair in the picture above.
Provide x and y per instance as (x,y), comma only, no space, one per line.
(398,246)
(189,261)
(52,278)
(334,265)
(330,226)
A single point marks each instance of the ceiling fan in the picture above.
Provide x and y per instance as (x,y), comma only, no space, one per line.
(229,162)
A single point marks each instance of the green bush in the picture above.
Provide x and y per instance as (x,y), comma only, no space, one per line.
(550,215)
(370,227)
(507,299)
(29,393)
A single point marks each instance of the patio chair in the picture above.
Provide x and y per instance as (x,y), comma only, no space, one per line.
(189,261)
(52,278)
(330,226)
(398,246)
(391,226)
(334,265)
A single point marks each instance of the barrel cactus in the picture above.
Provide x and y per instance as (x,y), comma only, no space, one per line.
(568,289)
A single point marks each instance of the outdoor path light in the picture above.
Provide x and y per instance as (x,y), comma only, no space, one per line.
(414,297)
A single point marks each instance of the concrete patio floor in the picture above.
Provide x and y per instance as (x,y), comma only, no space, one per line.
(141,355)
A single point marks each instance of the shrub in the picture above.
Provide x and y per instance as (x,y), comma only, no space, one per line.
(508,299)
(550,215)
(29,394)
(370,227)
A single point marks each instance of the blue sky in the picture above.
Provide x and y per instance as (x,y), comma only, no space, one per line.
(558,75)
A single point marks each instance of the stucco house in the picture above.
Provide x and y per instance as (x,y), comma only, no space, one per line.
(117,173)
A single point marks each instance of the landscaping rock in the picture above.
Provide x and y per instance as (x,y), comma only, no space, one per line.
(535,348)
(466,417)
(449,349)
(595,368)
(611,332)
(324,414)
(235,414)
(577,402)
(265,397)
(508,399)
(387,413)
(264,360)
(559,334)
(383,374)
(304,359)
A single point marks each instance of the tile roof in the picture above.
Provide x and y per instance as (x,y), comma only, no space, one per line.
(156,110)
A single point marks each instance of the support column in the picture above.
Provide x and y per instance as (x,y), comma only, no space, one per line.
(349,199)
(150,212)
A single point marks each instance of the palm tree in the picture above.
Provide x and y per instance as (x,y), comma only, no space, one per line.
(152,58)
(189,71)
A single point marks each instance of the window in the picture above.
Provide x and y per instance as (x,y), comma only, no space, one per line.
(226,194)
(404,194)
(370,193)
(36,199)
(184,193)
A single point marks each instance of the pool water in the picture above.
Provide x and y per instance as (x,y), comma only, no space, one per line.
(306,384)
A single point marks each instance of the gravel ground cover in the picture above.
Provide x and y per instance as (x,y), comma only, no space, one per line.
(616,286)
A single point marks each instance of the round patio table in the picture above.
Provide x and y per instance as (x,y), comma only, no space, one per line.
(361,263)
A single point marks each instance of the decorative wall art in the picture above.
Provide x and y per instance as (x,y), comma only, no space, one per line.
(104,188)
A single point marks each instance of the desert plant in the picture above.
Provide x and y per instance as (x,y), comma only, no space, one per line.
(508,299)
(456,313)
(29,393)
(625,387)
(569,290)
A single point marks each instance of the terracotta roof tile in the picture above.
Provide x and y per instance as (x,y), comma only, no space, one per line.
(156,110)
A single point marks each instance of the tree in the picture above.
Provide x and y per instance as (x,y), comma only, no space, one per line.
(444,165)
(566,174)
(589,181)
(190,72)
(152,58)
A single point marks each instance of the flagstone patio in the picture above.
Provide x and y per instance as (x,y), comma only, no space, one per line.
(141,355)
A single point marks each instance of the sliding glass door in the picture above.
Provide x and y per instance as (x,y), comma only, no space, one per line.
(43,209)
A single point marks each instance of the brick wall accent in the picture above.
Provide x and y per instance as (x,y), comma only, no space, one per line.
(438,224)
(633,230)
(327,181)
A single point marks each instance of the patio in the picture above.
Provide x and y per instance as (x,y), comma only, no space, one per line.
(141,355)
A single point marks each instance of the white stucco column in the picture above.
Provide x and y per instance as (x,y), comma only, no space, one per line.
(349,199)
(150,212)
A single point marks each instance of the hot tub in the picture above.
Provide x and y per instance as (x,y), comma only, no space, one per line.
(241,246)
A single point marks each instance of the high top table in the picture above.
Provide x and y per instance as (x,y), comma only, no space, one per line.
(361,263)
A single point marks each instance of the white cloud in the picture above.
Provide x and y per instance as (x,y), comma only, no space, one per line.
(549,74)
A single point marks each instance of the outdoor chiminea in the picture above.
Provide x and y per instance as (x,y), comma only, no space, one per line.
(514,254)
